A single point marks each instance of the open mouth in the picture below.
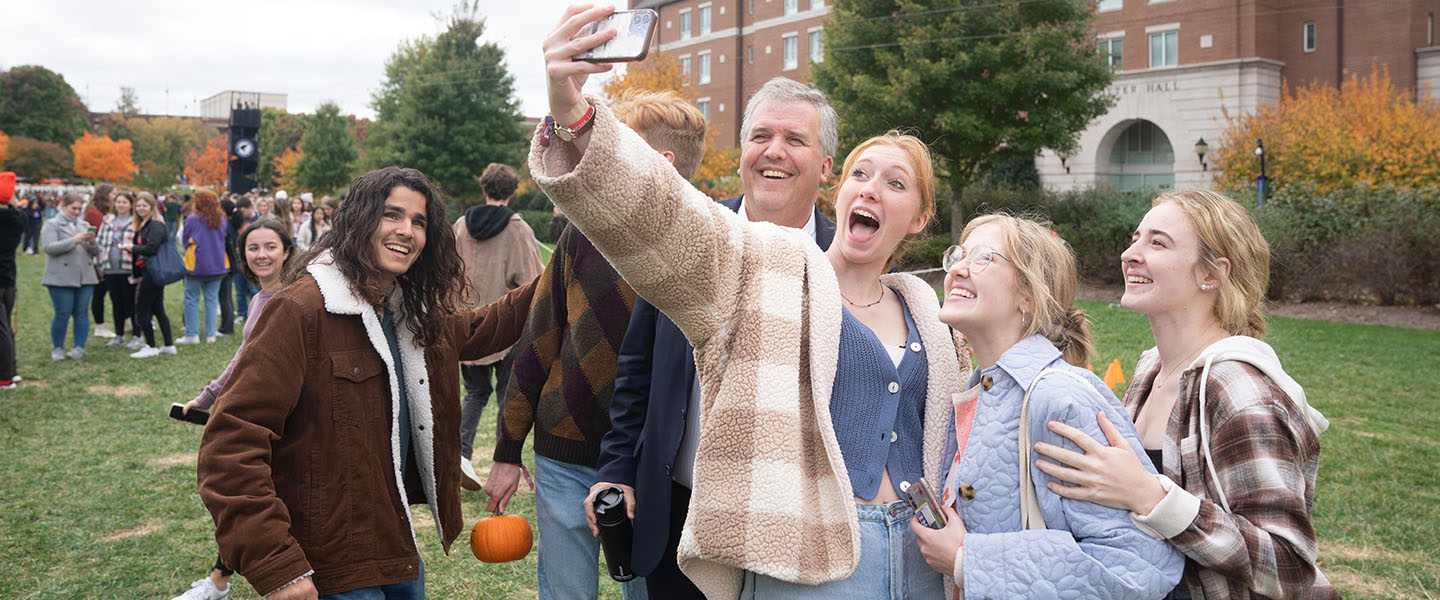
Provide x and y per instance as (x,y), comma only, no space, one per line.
(774,174)
(863,224)
(1138,279)
(400,250)
(962,293)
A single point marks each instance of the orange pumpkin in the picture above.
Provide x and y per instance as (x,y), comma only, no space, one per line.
(501,538)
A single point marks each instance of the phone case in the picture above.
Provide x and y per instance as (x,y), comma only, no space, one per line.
(622,38)
(196,416)
(925,503)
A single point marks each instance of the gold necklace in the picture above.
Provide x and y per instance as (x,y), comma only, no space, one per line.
(877,301)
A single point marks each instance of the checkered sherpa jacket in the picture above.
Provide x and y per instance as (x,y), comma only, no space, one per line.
(762,306)
(1266,456)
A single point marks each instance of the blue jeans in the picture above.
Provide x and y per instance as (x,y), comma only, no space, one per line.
(243,291)
(569,561)
(70,302)
(405,590)
(891,565)
(191,308)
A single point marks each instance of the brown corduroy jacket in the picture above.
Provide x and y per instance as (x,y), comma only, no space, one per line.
(297,463)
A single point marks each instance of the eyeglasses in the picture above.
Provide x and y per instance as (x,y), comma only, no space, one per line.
(979,258)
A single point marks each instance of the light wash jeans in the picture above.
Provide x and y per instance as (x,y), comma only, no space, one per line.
(70,302)
(569,560)
(891,565)
(405,590)
(193,289)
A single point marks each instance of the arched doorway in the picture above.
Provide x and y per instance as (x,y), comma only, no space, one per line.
(1140,156)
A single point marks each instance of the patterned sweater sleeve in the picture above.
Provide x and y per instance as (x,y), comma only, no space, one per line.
(1266,542)
(538,351)
(675,246)
(1088,550)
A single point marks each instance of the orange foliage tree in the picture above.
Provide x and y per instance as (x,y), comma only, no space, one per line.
(285,168)
(208,167)
(99,157)
(4,148)
(1364,132)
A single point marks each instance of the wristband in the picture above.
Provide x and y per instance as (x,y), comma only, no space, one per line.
(568,134)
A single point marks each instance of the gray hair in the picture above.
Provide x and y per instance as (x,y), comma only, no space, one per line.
(784,89)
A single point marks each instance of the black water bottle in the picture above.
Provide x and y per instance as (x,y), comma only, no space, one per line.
(615,532)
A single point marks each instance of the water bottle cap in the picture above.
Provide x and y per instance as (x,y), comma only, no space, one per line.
(609,499)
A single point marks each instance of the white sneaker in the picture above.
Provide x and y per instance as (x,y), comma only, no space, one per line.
(57,354)
(167,350)
(468,479)
(103,331)
(146,352)
(116,341)
(210,339)
(189,339)
(204,589)
(135,343)
(77,352)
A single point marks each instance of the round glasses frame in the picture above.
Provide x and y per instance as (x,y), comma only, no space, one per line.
(979,258)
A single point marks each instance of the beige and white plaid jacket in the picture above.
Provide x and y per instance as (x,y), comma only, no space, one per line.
(762,306)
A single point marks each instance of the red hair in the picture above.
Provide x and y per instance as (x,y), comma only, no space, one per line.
(207,205)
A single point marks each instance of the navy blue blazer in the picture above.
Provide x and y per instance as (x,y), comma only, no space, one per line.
(654,374)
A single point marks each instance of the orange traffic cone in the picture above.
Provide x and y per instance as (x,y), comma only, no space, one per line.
(1114,375)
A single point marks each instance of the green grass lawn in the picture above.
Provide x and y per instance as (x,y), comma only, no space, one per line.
(98,497)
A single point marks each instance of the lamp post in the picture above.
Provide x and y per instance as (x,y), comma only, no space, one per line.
(1260,181)
(1064,156)
(1200,149)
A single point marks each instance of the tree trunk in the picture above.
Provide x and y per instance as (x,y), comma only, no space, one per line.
(957,209)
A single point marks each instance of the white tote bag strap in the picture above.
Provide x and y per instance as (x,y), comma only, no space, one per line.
(1030,515)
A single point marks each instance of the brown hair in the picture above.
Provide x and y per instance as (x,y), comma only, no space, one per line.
(207,205)
(499,182)
(920,162)
(147,198)
(431,289)
(668,123)
(1225,229)
(1045,267)
(286,242)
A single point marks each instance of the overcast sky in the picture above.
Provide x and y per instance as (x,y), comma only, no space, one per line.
(312,50)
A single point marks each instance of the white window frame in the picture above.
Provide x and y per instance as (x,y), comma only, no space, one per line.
(1162,31)
(705,19)
(1109,6)
(704,58)
(792,7)
(790,51)
(817,44)
(704,105)
(684,65)
(685,32)
(1309,36)
(1111,39)
(817,4)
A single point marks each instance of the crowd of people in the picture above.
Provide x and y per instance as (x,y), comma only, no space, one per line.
(754,376)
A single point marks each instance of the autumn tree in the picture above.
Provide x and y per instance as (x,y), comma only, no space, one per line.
(1364,132)
(128,105)
(976,80)
(162,146)
(99,157)
(286,169)
(38,159)
(328,153)
(209,167)
(447,107)
(279,132)
(36,102)
(4,148)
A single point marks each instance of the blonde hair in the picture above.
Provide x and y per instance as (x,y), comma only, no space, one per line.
(1226,230)
(668,123)
(147,198)
(1045,267)
(920,162)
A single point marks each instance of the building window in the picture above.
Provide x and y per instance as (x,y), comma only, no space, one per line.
(1109,5)
(1143,143)
(685,24)
(792,51)
(704,104)
(704,68)
(1309,36)
(704,20)
(792,7)
(685,66)
(1164,51)
(1113,51)
(817,47)
(750,54)
(817,4)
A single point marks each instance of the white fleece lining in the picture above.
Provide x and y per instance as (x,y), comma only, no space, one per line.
(340,299)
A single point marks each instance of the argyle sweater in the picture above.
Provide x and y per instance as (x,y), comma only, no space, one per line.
(564,374)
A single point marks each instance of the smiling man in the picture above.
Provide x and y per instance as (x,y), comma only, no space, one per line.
(342,408)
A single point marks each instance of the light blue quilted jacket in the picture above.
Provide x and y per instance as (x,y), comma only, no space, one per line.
(1088,551)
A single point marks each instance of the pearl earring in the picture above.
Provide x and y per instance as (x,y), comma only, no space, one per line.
(1206,287)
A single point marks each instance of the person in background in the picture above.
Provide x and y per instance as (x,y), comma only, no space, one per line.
(12,229)
(244,215)
(150,234)
(298,211)
(116,267)
(1239,444)
(31,209)
(265,206)
(69,246)
(576,326)
(557,224)
(95,212)
(227,283)
(499,252)
(206,262)
(281,212)
(267,251)
(316,224)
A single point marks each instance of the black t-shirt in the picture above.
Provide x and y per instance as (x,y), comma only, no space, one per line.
(12,228)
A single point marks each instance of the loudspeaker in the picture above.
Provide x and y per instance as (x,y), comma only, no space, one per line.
(244,148)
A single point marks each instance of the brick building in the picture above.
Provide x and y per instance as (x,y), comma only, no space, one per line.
(1180,64)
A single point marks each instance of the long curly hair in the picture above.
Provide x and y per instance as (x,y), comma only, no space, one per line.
(431,290)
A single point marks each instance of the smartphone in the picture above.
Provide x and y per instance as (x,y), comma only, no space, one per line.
(634,30)
(926,504)
(196,416)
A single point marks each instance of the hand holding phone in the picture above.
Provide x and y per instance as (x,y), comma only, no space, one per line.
(194,415)
(926,504)
(634,30)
